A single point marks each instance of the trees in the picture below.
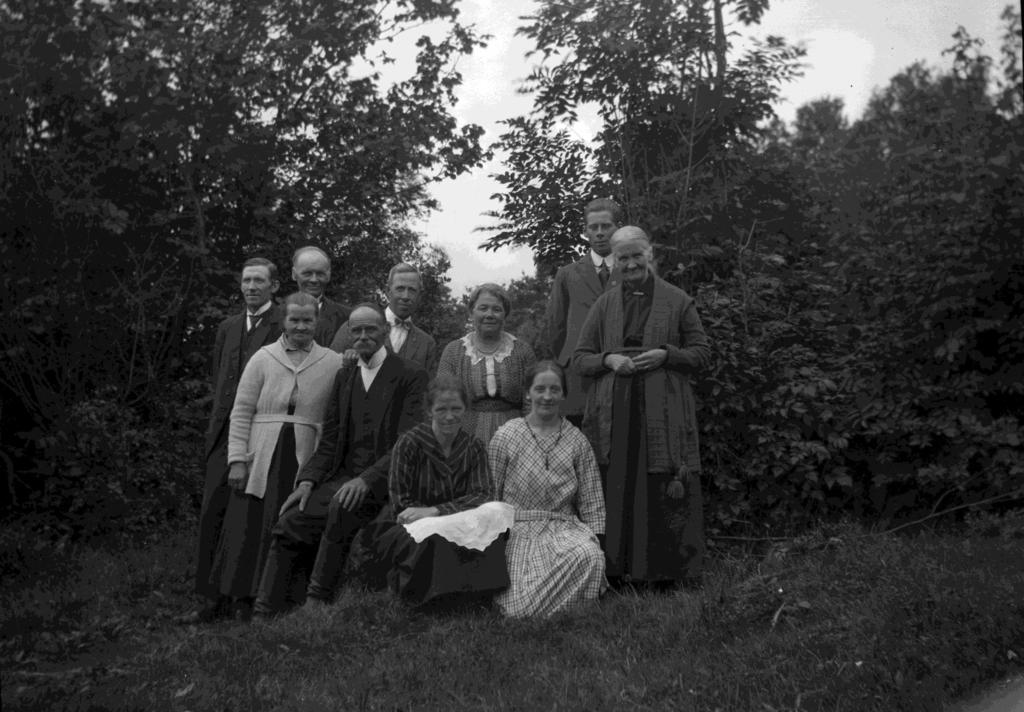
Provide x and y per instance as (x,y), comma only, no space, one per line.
(897,321)
(149,147)
(936,266)
(678,120)
(861,283)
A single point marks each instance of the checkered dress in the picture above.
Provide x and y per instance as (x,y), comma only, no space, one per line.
(554,559)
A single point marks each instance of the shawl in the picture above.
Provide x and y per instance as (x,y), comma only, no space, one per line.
(670,406)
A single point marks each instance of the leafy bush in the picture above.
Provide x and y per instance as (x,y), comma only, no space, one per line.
(108,468)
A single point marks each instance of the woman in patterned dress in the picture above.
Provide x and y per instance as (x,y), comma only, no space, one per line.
(490,363)
(543,466)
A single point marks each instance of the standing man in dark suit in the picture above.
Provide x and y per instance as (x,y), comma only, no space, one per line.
(344,484)
(311,270)
(405,286)
(238,338)
(577,286)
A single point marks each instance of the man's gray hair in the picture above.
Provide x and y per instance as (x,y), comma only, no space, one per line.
(309,248)
(403,268)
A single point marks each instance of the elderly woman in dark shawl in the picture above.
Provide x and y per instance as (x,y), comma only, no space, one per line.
(640,344)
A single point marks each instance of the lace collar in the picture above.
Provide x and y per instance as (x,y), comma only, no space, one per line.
(476,356)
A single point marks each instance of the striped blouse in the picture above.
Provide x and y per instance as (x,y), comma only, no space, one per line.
(422,476)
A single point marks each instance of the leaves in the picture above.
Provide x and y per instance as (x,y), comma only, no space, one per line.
(150,148)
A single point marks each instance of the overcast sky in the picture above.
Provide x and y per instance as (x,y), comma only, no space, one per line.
(852,48)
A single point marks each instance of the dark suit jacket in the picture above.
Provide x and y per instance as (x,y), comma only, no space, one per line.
(575,290)
(229,361)
(332,315)
(419,347)
(399,388)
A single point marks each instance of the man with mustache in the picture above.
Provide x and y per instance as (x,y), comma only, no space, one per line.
(343,486)
(640,344)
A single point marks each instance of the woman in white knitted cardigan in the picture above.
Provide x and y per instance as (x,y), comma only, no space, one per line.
(275,427)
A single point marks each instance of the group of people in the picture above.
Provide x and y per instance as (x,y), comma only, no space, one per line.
(341,441)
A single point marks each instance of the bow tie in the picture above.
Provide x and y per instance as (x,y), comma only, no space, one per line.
(403,323)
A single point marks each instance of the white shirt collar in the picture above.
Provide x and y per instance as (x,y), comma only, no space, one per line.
(392,317)
(596,259)
(375,361)
(266,307)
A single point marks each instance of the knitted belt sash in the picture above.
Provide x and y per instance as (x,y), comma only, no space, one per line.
(285,418)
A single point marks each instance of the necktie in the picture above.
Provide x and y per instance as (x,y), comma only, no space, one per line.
(602,274)
(254,321)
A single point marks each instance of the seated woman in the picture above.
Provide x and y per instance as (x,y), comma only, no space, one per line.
(489,362)
(545,467)
(438,470)
(275,425)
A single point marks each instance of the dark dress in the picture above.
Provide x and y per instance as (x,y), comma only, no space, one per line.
(644,431)
(238,562)
(435,569)
(275,423)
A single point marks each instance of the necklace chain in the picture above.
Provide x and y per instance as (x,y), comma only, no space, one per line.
(547,453)
(477,341)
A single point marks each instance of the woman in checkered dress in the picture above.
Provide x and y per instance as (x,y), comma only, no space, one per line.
(545,468)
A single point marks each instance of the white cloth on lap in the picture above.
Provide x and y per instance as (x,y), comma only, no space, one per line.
(475,528)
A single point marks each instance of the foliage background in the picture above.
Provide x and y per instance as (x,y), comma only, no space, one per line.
(862,283)
(148,149)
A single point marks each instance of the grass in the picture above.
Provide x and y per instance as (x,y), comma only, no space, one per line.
(836,620)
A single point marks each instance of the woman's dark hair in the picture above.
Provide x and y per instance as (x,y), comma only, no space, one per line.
(445,383)
(543,367)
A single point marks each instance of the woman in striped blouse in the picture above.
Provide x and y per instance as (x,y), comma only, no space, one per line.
(437,469)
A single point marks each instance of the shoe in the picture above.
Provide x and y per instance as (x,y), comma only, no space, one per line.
(241,610)
(207,614)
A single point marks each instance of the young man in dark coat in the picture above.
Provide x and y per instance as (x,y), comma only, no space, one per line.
(238,338)
(577,286)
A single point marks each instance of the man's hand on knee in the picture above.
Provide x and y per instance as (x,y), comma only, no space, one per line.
(352,494)
(300,494)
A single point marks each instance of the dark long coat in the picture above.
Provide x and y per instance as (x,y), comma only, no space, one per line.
(574,291)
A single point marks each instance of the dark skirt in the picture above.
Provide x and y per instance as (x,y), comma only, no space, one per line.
(434,570)
(246,535)
(651,535)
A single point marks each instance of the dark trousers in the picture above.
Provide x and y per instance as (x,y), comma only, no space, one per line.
(216,495)
(311,545)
